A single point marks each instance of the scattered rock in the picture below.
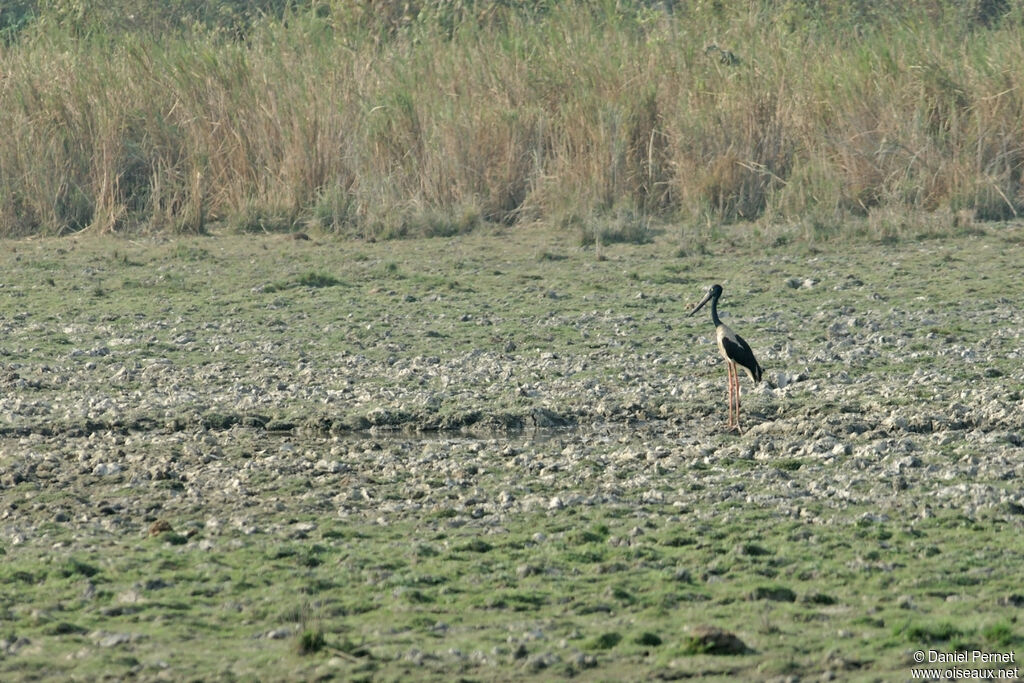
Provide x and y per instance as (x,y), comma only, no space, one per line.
(104,639)
(159,526)
(278,634)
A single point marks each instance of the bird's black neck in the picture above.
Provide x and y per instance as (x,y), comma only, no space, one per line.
(714,312)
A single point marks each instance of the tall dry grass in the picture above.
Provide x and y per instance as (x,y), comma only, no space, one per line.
(359,119)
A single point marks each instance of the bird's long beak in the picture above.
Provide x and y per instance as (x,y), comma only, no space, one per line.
(707,298)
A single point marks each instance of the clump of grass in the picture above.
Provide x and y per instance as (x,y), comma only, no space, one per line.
(316,280)
(711,640)
(628,227)
(173,538)
(773,593)
(311,279)
(477,545)
(753,550)
(648,639)
(551,256)
(605,641)
(1000,635)
(310,640)
(929,633)
(820,599)
(73,567)
(594,535)
(185,252)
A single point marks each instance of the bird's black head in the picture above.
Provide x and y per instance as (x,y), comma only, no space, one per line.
(713,293)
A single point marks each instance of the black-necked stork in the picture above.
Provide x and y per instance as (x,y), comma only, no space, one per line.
(735,350)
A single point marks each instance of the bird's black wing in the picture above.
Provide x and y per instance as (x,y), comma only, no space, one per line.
(739,351)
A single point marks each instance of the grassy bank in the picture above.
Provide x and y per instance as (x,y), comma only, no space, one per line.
(390,119)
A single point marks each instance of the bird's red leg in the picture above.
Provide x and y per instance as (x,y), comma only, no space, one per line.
(732,393)
(736,380)
(735,396)
(735,415)
(731,371)
(728,370)
(739,429)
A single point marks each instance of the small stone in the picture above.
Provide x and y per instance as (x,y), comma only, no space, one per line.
(104,469)
(278,634)
(524,570)
(114,639)
(159,526)
(584,661)
(541,661)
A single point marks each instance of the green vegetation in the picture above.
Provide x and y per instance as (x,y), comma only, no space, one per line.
(252,533)
(381,119)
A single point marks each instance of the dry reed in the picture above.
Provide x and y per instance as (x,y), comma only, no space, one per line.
(355,118)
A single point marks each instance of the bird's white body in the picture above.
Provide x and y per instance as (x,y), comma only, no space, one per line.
(725,333)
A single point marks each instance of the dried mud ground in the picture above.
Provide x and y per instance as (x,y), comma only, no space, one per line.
(499,457)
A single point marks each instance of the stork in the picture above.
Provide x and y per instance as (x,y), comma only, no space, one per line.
(735,350)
